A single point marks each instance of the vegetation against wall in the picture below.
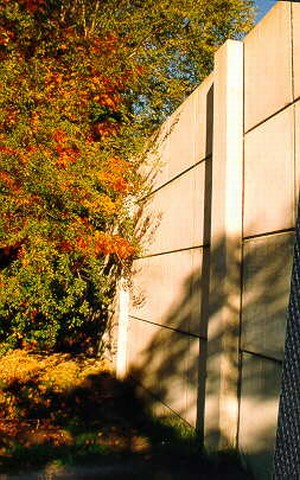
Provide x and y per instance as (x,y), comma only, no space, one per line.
(82,84)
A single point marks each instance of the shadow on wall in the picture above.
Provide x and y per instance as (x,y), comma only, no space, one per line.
(181,368)
(152,367)
(173,359)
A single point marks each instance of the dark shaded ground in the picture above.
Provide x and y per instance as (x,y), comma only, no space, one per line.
(101,430)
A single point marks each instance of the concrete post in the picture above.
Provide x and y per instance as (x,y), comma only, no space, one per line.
(122,330)
(221,411)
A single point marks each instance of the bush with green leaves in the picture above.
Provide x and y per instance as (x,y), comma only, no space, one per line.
(83,84)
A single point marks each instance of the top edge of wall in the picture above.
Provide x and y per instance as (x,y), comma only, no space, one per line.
(279,8)
(268,65)
(204,85)
(174,153)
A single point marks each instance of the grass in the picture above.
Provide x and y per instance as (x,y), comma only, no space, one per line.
(60,413)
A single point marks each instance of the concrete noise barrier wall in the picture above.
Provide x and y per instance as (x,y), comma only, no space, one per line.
(202,327)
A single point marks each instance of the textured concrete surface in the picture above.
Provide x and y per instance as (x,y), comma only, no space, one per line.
(258,413)
(222,214)
(269,176)
(174,151)
(182,199)
(226,233)
(296,47)
(268,65)
(267,266)
(173,296)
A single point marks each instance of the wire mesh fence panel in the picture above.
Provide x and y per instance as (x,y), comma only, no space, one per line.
(287,451)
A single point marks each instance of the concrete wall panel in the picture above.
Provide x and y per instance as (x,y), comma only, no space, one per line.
(142,337)
(221,216)
(167,290)
(296,48)
(173,380)
(268,79)
(177,372)
(182,200)
(269,176)
(171,362)
(258,413)
(145,351)
(266,285)
(175,150)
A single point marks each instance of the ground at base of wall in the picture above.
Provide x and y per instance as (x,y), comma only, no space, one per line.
(151,467)
(53,428)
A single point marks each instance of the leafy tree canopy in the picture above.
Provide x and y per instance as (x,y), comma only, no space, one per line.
(82,83)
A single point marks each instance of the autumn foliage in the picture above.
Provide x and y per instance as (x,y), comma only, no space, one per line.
(65,177)
(82,83)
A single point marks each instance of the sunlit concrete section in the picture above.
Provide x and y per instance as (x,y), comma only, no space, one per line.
(268,65)
(169,286)
(203,321)
(169,203)
(122,312)
(269,175)
(173,152)
(226,239)
(296,47)
(173,297)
